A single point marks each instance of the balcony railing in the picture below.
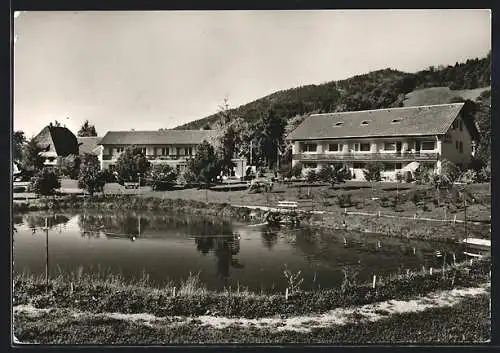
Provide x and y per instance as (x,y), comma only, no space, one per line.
(151,157)
(349,156)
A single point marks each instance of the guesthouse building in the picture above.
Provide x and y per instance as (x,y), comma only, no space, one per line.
(172,147)
(401,139)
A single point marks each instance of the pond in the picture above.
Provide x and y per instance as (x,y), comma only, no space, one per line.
(168,247)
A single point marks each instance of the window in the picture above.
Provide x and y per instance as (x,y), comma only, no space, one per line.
(455,125)
(389,146)
(335,147)
(461,147)
(143,150)
(339,123)
(165,151)
(461,125)
(119,149)
(310,165)
(398,165)
(428,145)
(337,166)
(358,165)
(364,147)
(356,147)
(188,151)
(309,147)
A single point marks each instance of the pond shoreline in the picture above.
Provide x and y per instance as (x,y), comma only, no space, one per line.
(94,293)
(402,228)
(103,303)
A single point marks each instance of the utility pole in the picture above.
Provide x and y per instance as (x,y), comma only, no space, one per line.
(46,254)
(465,217)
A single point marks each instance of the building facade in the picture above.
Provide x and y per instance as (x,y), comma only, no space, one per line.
(401,139)
(57,142)
(172,147)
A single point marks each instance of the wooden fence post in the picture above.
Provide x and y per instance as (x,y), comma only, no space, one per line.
(454,259)
(430,271)
(378,214)
(374,282)
(173,292)
(414,251)
(455,219)
(286,294)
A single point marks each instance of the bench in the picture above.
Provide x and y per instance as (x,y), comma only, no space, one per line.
(287,204)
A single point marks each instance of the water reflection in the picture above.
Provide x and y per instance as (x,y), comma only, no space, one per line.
(170,246)
(133,225)
(269,237)
(225,249)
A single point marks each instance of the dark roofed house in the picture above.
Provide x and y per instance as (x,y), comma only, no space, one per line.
(400,138)
(58,142)
(171,147)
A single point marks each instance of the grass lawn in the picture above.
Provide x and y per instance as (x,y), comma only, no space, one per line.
(466,322)
(324,198)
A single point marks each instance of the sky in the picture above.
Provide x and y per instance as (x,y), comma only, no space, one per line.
(147,70)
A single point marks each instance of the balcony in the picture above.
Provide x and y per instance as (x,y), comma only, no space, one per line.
(357,156)
(171,157)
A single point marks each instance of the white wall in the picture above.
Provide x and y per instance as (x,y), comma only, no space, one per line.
(449,150)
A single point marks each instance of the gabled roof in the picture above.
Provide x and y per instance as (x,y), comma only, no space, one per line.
(160,137)
(57,139)
(88,144)
(407,121)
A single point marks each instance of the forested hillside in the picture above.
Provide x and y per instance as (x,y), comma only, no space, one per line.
(385,88)
(377,89)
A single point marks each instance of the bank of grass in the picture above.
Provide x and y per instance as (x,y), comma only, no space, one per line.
(96,294)
(400,227)
(466,322)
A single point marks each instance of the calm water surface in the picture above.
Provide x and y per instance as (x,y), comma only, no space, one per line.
(170,247)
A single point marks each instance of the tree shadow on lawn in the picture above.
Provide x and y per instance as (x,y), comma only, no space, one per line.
(394,189)
(351,187)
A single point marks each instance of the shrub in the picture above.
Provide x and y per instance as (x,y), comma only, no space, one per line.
(131,163)
(162,177)
(45,182)
(90,177)
(450,170)
(71,166)
(109,176)
(469,176)
(408,177)
(311,176)
(296,170)
(372,172)
(344,200)
(423,174)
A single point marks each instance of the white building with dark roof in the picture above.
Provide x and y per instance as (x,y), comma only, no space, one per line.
(173,147)
(400,138)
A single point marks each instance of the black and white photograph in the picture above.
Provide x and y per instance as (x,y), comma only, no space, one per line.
(264,177)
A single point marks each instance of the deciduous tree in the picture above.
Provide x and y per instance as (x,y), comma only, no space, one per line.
(205,166)
(90,177)
(131,164)
(87,130)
